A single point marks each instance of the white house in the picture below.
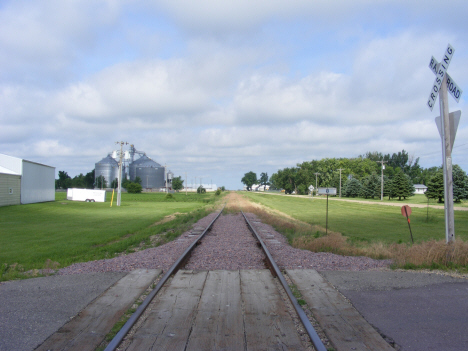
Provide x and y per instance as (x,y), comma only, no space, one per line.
(420,188)
(25,182)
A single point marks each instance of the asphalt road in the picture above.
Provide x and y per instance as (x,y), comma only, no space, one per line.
(417,311)
(31,310)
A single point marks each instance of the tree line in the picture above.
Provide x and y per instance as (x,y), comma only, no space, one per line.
(361,177)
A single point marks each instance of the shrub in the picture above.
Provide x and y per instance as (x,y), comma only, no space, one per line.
(218,192)
(134,188)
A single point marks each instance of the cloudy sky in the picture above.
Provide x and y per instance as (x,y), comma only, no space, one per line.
(219,88)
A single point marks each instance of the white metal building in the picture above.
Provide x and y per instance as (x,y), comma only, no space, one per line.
(29,181)
(10,185)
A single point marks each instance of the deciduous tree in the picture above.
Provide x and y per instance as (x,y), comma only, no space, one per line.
(177,183)
(249,179)
(264,180)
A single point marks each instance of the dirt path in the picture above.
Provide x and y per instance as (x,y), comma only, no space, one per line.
(375,203)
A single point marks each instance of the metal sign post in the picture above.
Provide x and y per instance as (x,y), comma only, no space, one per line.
(406,211)
(442,83)
(326,191)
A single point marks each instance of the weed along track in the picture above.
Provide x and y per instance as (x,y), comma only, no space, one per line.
(220,287)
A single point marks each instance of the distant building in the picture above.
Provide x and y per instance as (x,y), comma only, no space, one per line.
(420,188)
(194,187)
(25,182)
(258,187)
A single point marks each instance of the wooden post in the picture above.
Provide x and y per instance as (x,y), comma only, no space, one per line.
(447,158)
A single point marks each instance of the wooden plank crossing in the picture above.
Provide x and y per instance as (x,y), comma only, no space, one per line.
(168,325)
(268,324)
(219,323)
(343,325)
(87,330)
(218,310)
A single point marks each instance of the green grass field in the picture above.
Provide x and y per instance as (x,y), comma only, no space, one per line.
(66,231)
(415,199)
(367,222)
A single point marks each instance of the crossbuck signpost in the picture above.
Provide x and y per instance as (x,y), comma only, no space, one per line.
(447,124)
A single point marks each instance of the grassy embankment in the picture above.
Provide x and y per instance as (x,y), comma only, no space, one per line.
(59,233)
(371,230)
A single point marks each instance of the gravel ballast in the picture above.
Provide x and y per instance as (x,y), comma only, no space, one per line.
(229,245)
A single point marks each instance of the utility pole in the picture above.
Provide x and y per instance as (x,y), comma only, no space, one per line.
(165,175)
(119,191)
(340,169)
(316,174)
(381,186)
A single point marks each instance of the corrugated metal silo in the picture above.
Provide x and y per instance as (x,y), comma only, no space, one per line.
(107,167)
(150,172)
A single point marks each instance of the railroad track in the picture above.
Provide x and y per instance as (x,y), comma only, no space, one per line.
(233,325)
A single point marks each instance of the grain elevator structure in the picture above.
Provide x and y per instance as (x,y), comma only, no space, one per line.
(136,164)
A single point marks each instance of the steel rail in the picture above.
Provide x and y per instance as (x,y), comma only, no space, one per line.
(300,312)
(112,346)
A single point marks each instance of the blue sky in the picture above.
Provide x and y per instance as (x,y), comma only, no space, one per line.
(220,88)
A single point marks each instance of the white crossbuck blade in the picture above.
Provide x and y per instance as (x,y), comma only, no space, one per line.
(440,74)
(452,87)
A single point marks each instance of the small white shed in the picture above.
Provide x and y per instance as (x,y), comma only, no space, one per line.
(37,181)
(420,188)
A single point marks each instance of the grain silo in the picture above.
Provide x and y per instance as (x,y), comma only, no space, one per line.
(108,168)
(150,172)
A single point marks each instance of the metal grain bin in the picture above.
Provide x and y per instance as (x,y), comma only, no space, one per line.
(107,167)
(150,172)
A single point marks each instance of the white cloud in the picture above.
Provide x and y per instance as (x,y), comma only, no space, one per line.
(221,88)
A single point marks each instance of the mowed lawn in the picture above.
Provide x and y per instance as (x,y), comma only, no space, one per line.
(366,222)
(67,231)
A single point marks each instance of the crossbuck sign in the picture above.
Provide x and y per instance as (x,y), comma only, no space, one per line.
(447,124)
(440,70)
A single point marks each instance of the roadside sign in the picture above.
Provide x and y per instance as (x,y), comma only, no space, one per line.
(311,188)
(454,119)
(452,87)
(326,191)
(406,211)
(441,69)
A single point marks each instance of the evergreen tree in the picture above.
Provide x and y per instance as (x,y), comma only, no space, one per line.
(435,187)
(353,188)
(401,186)
(410,185)
(370,186)
(460,184)
(387,186)
(134,188)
